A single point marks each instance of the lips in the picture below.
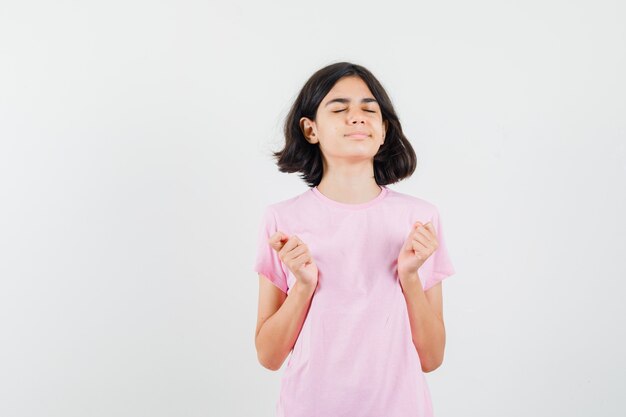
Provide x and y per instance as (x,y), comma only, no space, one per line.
(358,135)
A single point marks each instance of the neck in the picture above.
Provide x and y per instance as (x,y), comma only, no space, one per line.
(349,183)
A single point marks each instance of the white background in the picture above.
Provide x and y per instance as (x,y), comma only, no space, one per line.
(135,142)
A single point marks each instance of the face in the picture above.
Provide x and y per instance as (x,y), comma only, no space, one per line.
(349,123)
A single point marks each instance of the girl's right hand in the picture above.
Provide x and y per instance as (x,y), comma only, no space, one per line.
(296,255)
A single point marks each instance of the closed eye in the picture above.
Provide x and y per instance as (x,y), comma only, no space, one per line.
(369,111)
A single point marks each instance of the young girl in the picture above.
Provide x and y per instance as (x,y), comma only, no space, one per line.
(350,271)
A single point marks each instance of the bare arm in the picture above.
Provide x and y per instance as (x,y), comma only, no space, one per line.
(426,317)
(280,320)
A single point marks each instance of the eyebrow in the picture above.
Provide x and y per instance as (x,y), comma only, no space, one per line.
(346,100)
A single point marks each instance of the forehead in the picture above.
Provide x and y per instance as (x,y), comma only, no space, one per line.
(351,86)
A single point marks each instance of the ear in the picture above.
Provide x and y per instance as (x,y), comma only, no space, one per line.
(308,128)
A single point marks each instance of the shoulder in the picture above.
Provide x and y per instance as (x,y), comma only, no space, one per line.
(411,202)
(289,205)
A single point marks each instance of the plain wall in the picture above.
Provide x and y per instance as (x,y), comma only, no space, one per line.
(135,142)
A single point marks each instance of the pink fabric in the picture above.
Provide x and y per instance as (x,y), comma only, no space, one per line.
(354,355)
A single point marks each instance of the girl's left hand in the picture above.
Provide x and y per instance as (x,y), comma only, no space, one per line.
(420,244)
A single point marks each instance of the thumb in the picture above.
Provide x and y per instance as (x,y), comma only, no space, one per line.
(278,240)
(408,243)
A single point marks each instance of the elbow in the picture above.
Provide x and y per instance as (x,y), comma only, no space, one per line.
(431,364)
(267,361)
(433,358)
(267,364)
(426,368)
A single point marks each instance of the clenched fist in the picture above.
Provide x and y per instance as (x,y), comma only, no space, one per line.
(296,255)
(420,244)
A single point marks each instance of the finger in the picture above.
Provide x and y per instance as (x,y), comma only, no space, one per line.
(422,240)
(300,260)
(291,243)
(425,246)
(295,252)
(432,235)
(431,228)
(277,240)
(418,248)
(407,243)
(424,231)
(412,244)
(419,226)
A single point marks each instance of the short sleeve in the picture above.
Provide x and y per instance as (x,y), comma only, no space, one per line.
(267,261)
(438,266)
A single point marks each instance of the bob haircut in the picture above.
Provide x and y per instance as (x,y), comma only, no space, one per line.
(394,161)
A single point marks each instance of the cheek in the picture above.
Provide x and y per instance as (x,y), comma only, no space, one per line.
(378,130)
(328,131)
(378,125)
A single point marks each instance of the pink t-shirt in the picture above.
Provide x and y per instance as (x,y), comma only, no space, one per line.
(355,355)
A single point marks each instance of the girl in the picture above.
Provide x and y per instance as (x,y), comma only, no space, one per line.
(350,271)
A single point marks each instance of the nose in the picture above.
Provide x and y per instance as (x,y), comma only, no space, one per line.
(356,117)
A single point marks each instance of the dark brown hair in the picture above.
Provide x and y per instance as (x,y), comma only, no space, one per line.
(394,161)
